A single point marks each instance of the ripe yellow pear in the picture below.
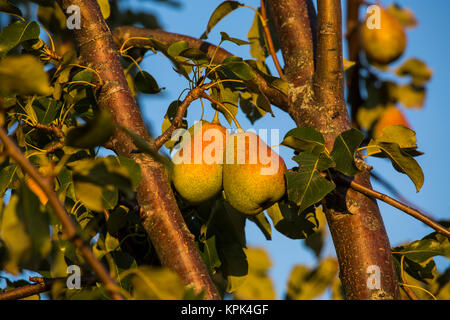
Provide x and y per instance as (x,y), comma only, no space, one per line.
(383,37)
(198,164)
(253,174)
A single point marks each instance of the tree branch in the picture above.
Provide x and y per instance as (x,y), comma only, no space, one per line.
(178,119)
(269,39)
(41,285)
(132,36)
(159,212)
(70,230)
(316,99)
(396,204)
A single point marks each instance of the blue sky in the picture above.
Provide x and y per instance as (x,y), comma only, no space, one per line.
(428,41)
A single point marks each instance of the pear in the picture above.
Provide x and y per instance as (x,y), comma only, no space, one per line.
(391,115)
(198,164)
(253,174)
(385,42)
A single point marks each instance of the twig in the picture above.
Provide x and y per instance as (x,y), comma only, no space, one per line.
(397,204)
(269,39)
(397,194)
(41,285)
(177,121)
(212,100)
(411,295)
(70,229)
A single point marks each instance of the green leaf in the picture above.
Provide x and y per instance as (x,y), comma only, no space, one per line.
(94,133)
(16,239)
(8,7)
(307,187)
(209,253)
(36,222)
(250,103)
(134,170)
(226,37)
(348,64)
(344,149)
(306,284)
(240,69)
(417,69)
(152,283)
(402,161)
(257,285)
(219,13)
(409,95)
(8,174)
(176,48)
(46,109)
(257,41)
(145,83)
(263,224)
(16,33)
(32,78)
(404,15)
(105,8)
(401,135)
(304,139)
(289,221)
(228,97)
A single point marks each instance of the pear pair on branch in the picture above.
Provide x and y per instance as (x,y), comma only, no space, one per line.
(211,159)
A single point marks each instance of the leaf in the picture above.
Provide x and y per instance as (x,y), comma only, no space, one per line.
(240,69)
(8,7)
(219,13)
(316,240)
(32,78)
(14,235)
(176,48)
(344,149)
(229,98)
(263,224)
(226,37)
(145,83)
(94,133)
(402,162)
(153,283)
(403,136)
(304,139)
(16,33)
(404,15)
(257,41)
(257,285)
(348,64)
(410,95)
(46,109)
(36,222)
(209,253)
(105,8)
(307,187)
(417,69)
(306,284)
(287,220)
(248,101)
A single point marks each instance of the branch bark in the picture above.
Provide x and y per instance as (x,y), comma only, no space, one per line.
(70,230)
(160,214)
(316,98)
(129,34)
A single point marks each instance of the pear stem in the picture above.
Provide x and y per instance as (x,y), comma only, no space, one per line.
(212,100)
(216,118)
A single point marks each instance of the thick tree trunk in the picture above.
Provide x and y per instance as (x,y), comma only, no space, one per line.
(316,98)
(160,214)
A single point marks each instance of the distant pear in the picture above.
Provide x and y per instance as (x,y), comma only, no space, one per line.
(383,37)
